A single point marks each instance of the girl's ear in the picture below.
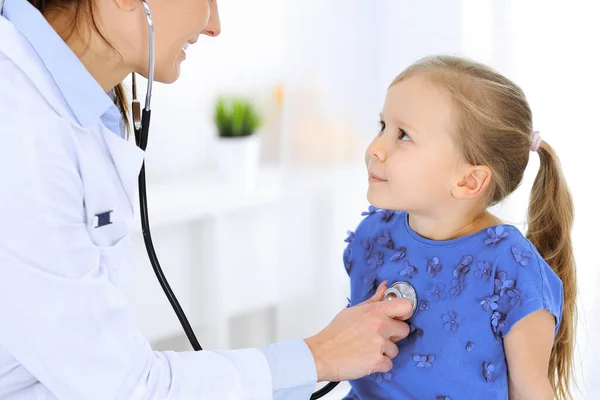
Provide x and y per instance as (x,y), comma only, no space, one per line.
(473,181)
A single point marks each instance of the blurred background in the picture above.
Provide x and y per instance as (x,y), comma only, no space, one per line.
(255,256)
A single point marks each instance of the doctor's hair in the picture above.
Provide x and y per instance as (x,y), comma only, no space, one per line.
(82,11)
(493,127)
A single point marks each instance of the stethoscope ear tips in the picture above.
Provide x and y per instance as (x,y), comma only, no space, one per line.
(401,290)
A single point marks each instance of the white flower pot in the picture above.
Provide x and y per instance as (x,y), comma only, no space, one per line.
(238,158)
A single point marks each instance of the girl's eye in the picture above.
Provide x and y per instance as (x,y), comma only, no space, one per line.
(402,135)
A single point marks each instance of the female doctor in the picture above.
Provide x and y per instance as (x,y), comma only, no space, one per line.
(68,176)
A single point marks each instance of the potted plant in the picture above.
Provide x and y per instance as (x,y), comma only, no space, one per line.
(238,147)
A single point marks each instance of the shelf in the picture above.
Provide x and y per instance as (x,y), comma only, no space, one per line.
(204,195)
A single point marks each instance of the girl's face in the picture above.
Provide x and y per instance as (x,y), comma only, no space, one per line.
(177,24)
(413,162)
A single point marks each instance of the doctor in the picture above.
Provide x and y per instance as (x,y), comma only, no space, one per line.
(68,177)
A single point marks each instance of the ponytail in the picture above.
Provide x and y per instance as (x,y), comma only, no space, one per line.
(550,220)
(123,106)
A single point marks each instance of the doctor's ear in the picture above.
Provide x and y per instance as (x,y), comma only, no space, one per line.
(127,5)
(473,181)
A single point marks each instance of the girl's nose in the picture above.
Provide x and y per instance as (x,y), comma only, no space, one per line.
(376,150)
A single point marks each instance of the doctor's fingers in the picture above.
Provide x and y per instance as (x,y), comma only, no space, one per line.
(400,309)
(388,351)
(394,330)
(378,296)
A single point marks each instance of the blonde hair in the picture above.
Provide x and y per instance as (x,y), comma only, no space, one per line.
(494,128)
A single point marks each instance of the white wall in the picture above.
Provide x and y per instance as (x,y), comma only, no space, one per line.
(411,30)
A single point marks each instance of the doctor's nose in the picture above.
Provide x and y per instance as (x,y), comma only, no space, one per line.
(213,28)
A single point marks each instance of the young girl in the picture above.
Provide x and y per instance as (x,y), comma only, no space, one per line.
(495,309)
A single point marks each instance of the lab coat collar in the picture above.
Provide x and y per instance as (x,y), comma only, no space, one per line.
(85,98)
(126,156)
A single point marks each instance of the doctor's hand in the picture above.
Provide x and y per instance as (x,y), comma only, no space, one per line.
(360,340)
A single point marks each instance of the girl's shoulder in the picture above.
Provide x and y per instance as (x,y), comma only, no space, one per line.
(521,275)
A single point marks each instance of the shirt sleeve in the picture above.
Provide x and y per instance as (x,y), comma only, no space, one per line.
(68,325)
(525,283)
(293,369)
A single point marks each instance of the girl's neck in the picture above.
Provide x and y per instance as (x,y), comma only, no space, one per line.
(452,227)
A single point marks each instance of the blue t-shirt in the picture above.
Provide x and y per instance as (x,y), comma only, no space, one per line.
(470,290)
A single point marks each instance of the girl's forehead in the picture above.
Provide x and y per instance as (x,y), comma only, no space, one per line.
(419,104)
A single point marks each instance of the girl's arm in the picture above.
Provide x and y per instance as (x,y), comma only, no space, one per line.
(528,346)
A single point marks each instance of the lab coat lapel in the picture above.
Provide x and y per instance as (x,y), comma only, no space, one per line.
(14,46)
(127,159)
(126,156)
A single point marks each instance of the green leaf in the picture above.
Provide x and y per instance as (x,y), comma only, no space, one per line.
(236,117)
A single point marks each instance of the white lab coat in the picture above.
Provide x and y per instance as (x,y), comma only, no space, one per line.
(67,332)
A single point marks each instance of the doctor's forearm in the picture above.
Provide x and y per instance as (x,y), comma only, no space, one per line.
(293,372)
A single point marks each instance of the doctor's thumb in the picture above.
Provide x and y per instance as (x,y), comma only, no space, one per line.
(378,296)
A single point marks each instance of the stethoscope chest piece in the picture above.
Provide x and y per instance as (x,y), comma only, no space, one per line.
(401,290)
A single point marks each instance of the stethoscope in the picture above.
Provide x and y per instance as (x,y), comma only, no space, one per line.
(141,127)
(141,122)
